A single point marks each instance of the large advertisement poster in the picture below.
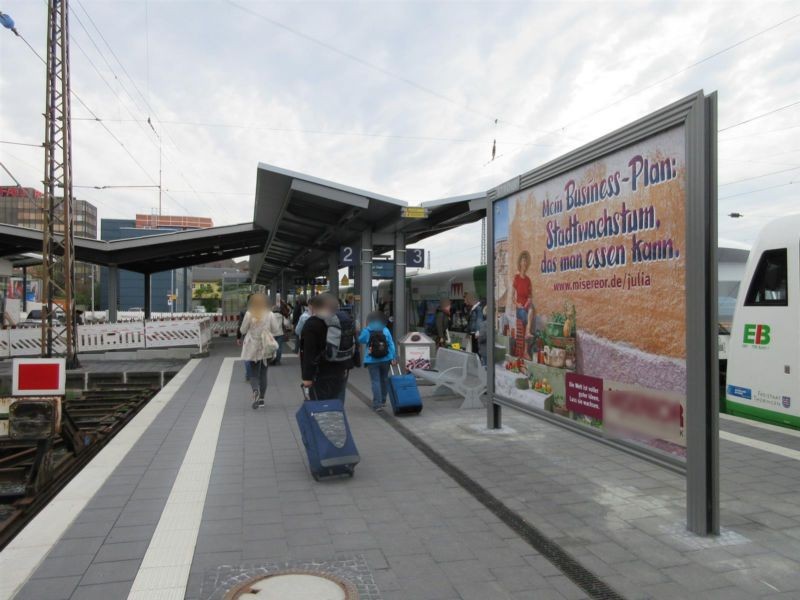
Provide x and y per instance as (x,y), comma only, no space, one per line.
(590,294)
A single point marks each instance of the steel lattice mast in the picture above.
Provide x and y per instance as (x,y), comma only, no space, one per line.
(58,241)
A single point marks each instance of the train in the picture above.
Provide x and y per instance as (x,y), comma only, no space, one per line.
(758,293)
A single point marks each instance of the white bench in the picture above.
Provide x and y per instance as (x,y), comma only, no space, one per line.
(461,372)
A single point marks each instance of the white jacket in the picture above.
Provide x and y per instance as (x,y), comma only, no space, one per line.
(253,347)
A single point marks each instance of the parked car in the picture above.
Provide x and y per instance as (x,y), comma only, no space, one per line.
(34,318)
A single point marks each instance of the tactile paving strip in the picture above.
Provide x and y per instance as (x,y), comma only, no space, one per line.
(353,571)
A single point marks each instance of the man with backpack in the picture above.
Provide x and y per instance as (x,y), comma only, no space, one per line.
(380,354)
(328,348)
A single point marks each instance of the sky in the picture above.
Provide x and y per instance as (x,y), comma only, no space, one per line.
(400,98)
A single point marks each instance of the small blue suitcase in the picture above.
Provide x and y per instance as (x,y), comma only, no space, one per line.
(404,394)
(327,438)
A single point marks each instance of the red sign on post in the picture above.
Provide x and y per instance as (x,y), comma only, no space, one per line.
(39,377)
(585,395)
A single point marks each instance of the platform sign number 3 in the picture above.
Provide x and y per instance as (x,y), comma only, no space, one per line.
(415,257)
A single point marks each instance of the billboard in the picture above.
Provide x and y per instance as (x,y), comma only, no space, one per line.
(14,289)
(590,291)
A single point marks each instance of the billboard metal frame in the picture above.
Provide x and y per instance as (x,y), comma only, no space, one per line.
(698,114)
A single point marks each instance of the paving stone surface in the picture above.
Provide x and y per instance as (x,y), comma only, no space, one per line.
(420,535)
(624,518)
(411,532)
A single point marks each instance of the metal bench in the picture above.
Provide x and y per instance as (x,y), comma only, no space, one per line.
(460,372)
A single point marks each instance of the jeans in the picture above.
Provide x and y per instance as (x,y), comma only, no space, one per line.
(279,352)
(379,376)
(247,370)
(327,388)
(258,377)
(343,391)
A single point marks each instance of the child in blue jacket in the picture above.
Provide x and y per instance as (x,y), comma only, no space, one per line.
(379,356)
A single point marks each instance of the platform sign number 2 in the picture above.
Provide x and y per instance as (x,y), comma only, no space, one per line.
(415,257)
(348,256)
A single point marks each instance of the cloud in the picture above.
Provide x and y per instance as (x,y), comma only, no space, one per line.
(537,67)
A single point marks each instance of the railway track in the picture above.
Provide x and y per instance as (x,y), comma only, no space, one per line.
(33,472)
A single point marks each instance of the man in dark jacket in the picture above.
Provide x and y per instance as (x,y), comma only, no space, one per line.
(324,379)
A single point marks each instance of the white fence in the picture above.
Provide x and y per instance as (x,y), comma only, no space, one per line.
(114,336)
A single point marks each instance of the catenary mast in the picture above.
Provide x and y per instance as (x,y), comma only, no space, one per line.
(58,240)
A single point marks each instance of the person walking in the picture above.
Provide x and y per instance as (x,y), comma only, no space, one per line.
(483,338)
(327,348)
(278,331)
(442,323)
(474,321)
(258,344)
(239,335)
(380,355)
(300,307)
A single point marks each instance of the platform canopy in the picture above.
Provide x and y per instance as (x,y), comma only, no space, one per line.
(309,218)
(150,254)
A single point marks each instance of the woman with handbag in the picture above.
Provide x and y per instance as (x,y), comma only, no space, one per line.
(259,345)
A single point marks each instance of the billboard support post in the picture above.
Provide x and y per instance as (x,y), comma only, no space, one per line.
(629,218)
(493,410)
(702,403)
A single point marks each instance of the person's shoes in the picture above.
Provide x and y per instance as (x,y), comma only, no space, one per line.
(378,409)
(256,400)
(260,402)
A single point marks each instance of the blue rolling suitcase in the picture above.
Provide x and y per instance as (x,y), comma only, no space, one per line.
(404,393)
(327,438)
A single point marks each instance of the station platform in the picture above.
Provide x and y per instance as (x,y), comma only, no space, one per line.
(200,492)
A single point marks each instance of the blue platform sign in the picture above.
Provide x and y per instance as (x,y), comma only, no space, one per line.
(381,269)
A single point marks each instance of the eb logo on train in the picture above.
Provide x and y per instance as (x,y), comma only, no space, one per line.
(756,335)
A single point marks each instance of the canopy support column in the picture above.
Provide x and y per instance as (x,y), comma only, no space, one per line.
(25,289)
(400,310)
(148,295)
(113,292)
(333,273)
(365,277)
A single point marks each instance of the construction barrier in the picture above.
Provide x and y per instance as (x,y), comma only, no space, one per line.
(26,341)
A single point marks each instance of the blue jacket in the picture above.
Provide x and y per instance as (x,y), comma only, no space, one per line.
(363,338)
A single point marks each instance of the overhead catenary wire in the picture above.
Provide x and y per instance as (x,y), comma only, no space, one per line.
(764,189)
(762,115)
(492,118)
(681,71)
(148,109)
(91,112)
(21,144)
(758,176)
(367,134)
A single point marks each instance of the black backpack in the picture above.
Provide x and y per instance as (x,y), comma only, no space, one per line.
(378,344)
(340,337)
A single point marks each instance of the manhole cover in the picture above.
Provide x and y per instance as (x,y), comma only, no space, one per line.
(294,585)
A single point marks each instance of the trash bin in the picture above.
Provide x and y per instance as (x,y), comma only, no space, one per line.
(417,351)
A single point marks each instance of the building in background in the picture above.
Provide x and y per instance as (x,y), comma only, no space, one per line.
(210,285)
(131,285)
(130,294)
(22,207)
(155,221)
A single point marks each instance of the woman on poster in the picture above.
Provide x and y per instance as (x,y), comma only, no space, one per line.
(522,300)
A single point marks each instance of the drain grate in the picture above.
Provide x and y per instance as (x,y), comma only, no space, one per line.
(590,583)
(351,573)
(296,584)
